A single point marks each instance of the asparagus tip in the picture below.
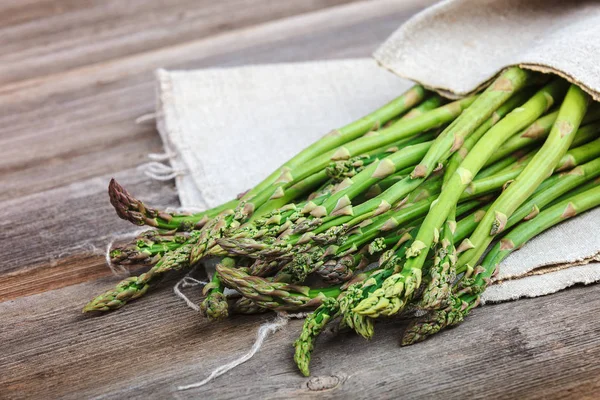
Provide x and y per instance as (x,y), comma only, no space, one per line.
(128,207)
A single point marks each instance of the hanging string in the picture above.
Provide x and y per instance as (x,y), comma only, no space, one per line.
(187,281)
(142,119)
(263,332)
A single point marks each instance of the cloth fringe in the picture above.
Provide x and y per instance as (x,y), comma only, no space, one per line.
(159,171)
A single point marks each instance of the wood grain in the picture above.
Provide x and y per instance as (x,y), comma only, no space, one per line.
(74,75)
(42,37)
(535,349)
(80,123)
(62,233)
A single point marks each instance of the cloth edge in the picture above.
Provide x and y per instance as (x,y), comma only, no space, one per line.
(540,285)
(167,118)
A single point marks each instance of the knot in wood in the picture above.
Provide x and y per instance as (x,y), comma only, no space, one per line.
(319,383)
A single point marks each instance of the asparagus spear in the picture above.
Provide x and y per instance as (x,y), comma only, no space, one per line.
(405,128)
(215,306)
(548,192)
(443,271)
(554,187)
(131,209)
(400,130)
(273,295)
(312,328)
(340,270)
(338,137)
(136,286)
(447,142)
(539,130)
(363,325)
(398,160)
(148,247)
(428,104)
(271,248)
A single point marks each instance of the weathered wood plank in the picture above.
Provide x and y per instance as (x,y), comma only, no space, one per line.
(75,125)
(531,349)
(42,37)
(58,237)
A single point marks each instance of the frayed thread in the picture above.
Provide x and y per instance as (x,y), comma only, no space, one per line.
(161,156)
(263,332)
(187,209)
(160,172)
(187,281)
(149,117)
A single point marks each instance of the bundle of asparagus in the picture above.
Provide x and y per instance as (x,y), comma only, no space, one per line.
(388,215)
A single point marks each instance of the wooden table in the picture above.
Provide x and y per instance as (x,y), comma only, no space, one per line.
(74,75)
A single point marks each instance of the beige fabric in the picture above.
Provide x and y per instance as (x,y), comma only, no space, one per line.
(225,129)
(230,127)
(561,257)
(457,46)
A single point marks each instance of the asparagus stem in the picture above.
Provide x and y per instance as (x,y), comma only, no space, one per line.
(575,156)
(406,128)
(443,273)
(540,130)
(427,105)
(548,192)
(563,131)
(555,186)
(448,141)
(304,263)
(457,158)
(579,155)
(568,208)
(341,200)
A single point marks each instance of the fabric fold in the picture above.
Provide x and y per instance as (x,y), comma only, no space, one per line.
(457,46)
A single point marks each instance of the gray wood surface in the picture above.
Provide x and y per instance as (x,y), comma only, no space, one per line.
(74,75)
